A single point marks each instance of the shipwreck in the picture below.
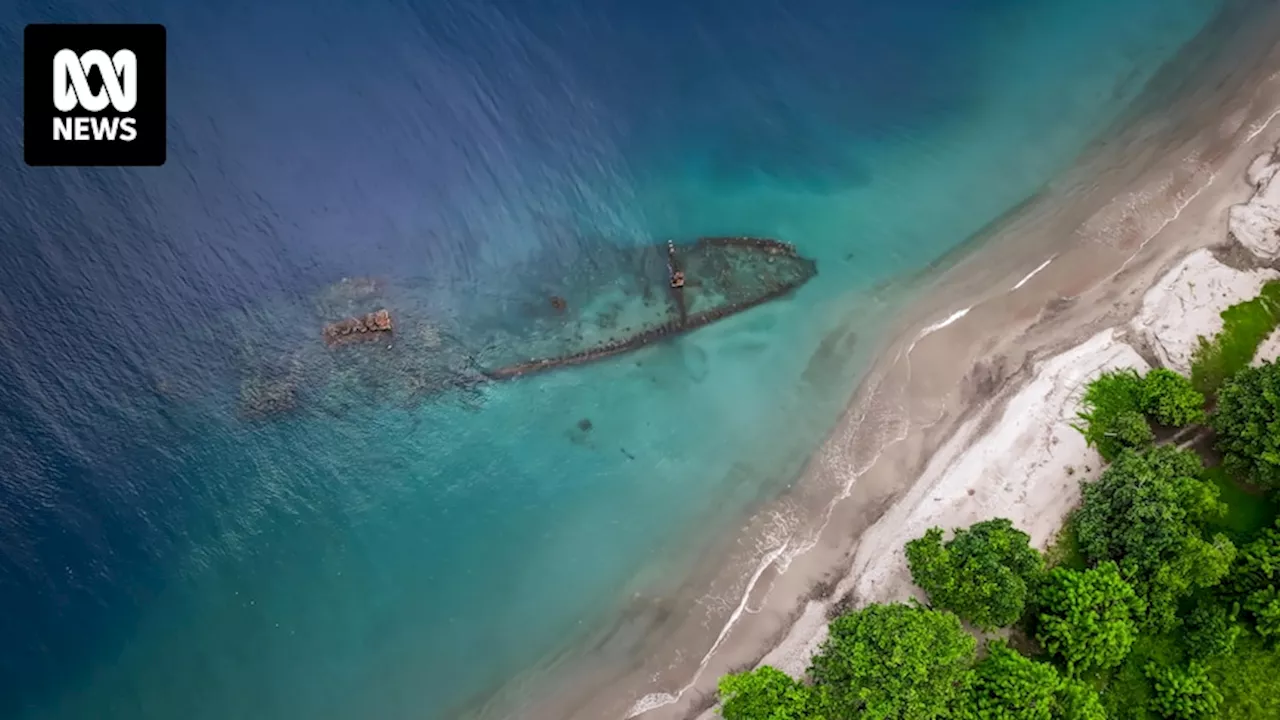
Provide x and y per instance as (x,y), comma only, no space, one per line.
(320,351)
(712,279)
(364,327)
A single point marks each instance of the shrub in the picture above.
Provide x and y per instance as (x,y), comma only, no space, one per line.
(894,661)
(1184,693)
(1248,424)
(1265,606)
(1211,629)
(1249,680)
(1089,618)
(1128,430)
(1078,701)
(1170,399)
(767,693)
(1008,685)
(985,574)
(1256,566)
(1112,414)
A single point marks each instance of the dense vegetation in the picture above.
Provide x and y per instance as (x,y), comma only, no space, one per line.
(1246,420)
(1146,513)
(893,661)
(1118,405)
(985,574)
(1088,618)
(1161,599)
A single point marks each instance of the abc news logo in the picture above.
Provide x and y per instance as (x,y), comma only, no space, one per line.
(94,95)
(71,90)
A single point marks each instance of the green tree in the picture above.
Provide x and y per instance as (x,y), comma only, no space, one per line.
(1078,701)
(1146,513)
(1254,581)
(1211,629)
(767,693)
(1112,415)
(1008,686)
(1170,399)
(899,662)
(1113,434)
(1089,618)
(985,574)
(1257,565)
(1247,422)
(1184,693)
(1198,564)
(1264,605)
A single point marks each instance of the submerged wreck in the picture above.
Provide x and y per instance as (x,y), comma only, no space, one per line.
(712,279)
(398,341)
(365,327)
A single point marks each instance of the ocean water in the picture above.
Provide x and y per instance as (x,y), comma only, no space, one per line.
(161,557)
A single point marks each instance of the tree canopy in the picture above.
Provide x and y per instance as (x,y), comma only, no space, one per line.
(1146,513)
(1088,618)
(767,693)
(985,574)
(894,662)
(1264,605)
(1247,422)
(1008,686)
(1257,564)
(1184,693)
(1254,581)
(1117,405)
(1112,414)
(1078,701)
(1211,628)
(1170,399)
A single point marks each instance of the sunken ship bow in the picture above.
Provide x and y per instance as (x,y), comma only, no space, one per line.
(680,288)
(389,341)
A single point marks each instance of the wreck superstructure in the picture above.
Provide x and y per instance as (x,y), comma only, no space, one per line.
(388,339)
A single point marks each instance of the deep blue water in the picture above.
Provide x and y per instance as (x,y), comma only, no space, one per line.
(161,558)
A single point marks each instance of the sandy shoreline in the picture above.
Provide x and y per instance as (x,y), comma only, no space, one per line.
(937,433)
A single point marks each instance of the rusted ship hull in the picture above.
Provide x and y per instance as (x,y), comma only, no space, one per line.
(683,322)
(315,354)
(365,327)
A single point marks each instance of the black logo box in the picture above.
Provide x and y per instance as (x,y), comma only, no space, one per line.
(41,42)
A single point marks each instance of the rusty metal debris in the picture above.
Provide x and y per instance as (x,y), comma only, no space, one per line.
(624,299)
(365,327)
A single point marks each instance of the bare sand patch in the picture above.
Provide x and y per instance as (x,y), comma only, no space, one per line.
(1269,350)
(1187,304)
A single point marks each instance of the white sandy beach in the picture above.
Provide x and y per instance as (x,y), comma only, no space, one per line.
(1269,350)
(1027,468)
(1029,465)
(1187,305)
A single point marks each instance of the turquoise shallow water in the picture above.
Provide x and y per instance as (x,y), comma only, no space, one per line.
(160,558)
